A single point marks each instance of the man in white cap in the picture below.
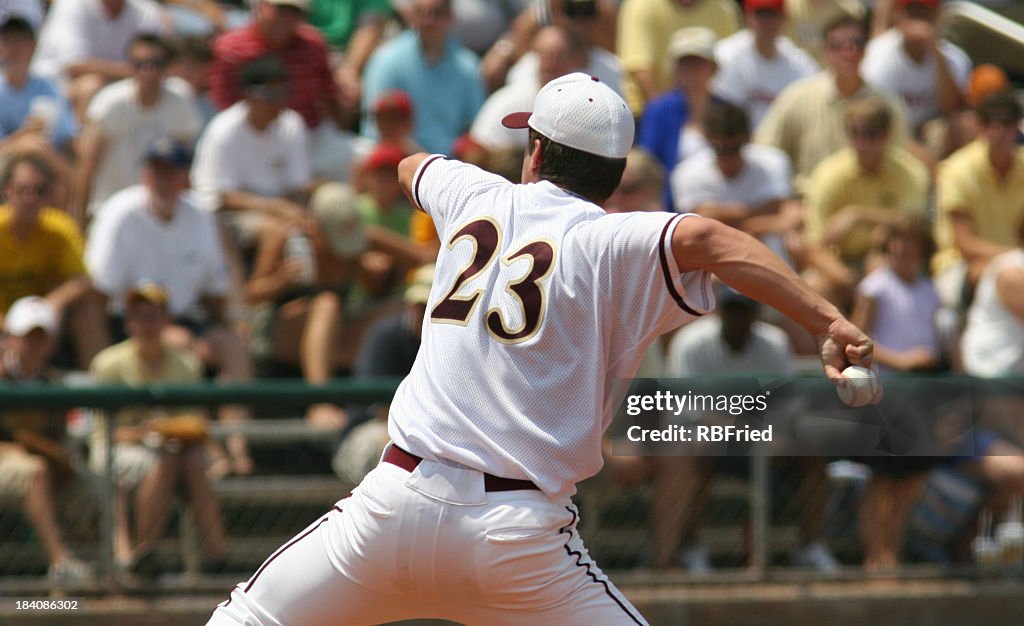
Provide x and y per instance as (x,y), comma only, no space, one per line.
(469,516)
(33,461)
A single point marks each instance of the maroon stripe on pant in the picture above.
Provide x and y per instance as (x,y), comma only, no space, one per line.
(579,555)
(285,547)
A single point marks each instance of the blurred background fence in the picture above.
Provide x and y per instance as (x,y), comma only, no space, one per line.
(748,519)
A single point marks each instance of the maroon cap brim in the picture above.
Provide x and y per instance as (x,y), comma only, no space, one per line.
(516,120)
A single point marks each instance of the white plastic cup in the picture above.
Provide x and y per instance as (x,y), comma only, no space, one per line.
(47,110)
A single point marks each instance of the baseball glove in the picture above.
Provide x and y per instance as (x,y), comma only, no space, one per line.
(184,428)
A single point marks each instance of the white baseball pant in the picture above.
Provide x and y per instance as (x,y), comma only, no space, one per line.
(432,543)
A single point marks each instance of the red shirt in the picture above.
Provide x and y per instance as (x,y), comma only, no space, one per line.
(306,60)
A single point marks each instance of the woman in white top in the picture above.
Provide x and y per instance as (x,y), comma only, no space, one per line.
(993,341)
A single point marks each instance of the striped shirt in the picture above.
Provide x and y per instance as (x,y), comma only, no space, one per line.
(306,60)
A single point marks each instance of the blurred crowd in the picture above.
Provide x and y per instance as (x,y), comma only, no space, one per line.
(203,188)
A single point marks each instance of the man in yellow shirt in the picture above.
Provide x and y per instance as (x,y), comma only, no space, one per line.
(867,185)
(980,190)
(645,29)
(42,255)
(806,120)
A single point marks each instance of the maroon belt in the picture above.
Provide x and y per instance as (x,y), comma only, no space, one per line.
(408,461)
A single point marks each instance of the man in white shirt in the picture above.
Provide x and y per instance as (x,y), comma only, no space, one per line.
(252,162)
(124,117)
(732,342)
(85,42)
(469,517)
(755,64)
(737,182)
(910,62)
(155,232)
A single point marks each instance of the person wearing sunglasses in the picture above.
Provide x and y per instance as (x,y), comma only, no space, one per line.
(868,185)
(84,45)
(736,182)
(42,256)
(806,120)
(123,118)
(252,163)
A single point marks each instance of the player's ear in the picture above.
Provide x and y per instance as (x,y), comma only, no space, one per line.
(536,158)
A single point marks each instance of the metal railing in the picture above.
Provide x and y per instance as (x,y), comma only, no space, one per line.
(270,394)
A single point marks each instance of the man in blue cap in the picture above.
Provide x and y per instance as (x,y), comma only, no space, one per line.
(155,231)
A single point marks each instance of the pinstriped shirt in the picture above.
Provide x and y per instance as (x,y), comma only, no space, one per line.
(306,58)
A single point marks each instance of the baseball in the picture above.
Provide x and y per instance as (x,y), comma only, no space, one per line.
(859,386)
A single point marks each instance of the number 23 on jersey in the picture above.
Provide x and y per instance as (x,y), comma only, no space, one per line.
(485,235)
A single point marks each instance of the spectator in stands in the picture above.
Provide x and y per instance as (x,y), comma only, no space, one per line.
(252,163)
(559,52)
(979,190)
(596,18)
(755,64)
(156,452)
(729,342)
(303,321)
(993,340)
(33,460)
(42,256)
(388,351)
(85,43)
(385,209)
(867,185)
(672,127)
(353,30)
(944,138)
(736,182)
(33,114)
(897,303)
(808,19)
(154,231)
(383,204)
(592,26)
(806,120)
(640,187)
(279,28)
(123,118)
(440,76)
(392,111)
(646,30)
(910,62)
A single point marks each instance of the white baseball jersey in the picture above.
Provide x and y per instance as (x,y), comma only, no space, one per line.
(540,302)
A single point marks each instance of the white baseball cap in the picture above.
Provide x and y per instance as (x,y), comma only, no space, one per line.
(29,313)
(693,41)
(579,111)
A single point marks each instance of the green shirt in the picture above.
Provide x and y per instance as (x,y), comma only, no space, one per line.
(397,219)
(339,19)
